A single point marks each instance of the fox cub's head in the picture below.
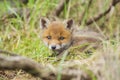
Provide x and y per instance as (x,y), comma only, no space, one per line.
(56,35)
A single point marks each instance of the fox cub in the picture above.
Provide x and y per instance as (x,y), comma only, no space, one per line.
(59,36)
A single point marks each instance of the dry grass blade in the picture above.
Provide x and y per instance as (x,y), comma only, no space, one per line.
(86,10)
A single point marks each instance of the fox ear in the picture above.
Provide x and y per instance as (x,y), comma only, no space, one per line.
(69,24)
(43,23)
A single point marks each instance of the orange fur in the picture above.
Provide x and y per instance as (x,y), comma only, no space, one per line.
(56,30)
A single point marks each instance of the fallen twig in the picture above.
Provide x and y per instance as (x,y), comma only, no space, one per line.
(100,15)
(36,69)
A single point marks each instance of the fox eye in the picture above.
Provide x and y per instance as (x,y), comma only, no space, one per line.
(61,38)
(48,37)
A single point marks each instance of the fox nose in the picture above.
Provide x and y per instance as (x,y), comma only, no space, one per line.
(53,47)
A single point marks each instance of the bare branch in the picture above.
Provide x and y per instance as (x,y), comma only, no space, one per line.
(24,1)
(100,15)
(18,62)
(60,7)
(114,2)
